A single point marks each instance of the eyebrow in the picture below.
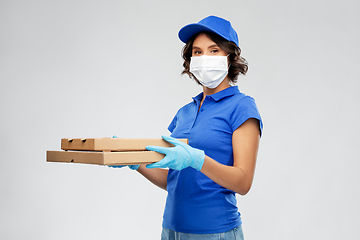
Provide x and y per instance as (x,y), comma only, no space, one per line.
(212,46)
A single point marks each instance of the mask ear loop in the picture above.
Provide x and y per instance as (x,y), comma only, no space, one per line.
(228,61)
(229,68)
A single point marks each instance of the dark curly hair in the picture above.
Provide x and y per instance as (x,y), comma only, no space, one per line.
(238,64)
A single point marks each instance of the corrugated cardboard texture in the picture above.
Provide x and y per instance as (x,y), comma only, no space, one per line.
(104,158)
(112,144)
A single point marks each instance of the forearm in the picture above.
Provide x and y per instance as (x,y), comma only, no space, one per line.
(157,176)
(230,177)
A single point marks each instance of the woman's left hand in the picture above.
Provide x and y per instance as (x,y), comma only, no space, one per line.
(179,157)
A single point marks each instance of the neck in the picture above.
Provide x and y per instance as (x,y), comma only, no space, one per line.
(209,91)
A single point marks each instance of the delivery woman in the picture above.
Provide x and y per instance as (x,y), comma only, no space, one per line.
(223,127)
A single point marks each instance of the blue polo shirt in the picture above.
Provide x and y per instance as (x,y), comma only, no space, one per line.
(195,203)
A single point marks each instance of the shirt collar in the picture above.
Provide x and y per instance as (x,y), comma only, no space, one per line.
(230,91)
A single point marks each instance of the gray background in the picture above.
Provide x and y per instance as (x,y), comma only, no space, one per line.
(103,68)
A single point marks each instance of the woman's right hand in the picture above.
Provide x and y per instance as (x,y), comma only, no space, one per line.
(132,167)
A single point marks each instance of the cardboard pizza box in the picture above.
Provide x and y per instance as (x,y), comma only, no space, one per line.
(112,144)
(104,158)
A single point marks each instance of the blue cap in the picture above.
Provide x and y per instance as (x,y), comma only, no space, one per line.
(213,24)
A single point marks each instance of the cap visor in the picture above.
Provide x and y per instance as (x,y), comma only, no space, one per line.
(189,30)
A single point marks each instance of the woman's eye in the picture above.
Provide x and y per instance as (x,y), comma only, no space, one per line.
(197,52)
(214,51)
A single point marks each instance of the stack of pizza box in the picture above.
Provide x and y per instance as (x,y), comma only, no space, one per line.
(108,151)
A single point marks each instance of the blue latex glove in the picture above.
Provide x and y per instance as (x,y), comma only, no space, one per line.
(179,157)
(132,167)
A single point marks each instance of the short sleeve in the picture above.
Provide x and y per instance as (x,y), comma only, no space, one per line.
(172,125)
(245,109)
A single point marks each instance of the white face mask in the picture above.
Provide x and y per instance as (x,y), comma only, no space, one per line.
(209,70)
